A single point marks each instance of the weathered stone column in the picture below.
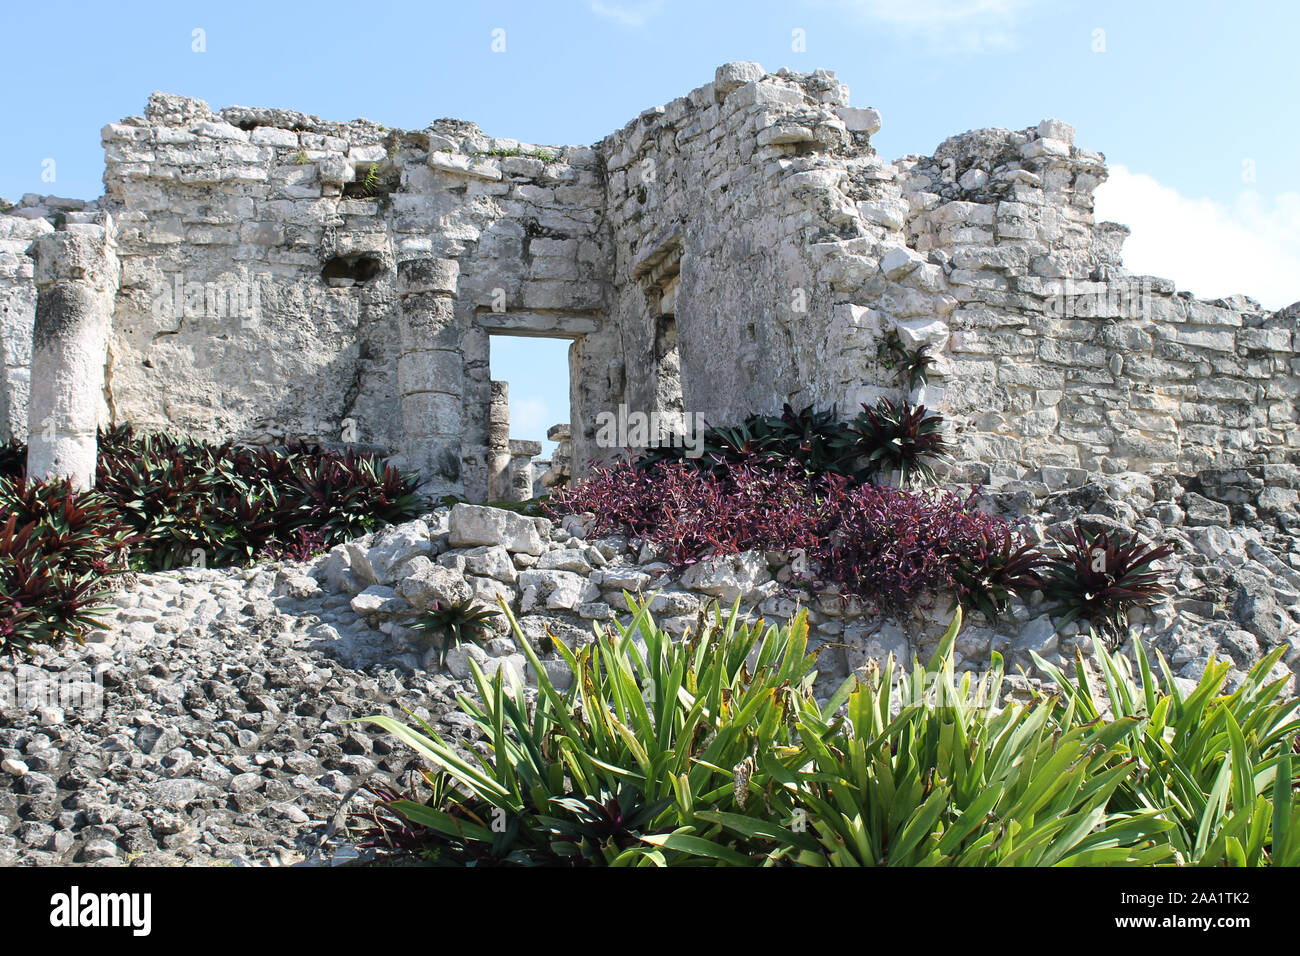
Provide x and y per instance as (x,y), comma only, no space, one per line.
(498,454)
(558,475)
(17,316)
(478,400)
(522,453)
(430,372)
(76,279)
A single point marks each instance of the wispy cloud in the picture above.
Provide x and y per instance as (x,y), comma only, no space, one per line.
(530,417)
(945,26)
(1207,247)
(629,14)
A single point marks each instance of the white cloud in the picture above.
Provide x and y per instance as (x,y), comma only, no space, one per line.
(946,26)
(1209,248)
(531,417)
(629,14)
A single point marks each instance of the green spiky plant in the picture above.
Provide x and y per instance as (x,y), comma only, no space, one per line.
(903,438)
(455,622)
(932,771)
(999,565)
(664,728)
(1101,577)
(1219,768)
(713,751)
(912,365)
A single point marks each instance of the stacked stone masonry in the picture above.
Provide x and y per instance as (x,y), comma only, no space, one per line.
(741,247)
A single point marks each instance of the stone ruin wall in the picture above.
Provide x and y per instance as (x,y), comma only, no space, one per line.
(741,247)
(374,309)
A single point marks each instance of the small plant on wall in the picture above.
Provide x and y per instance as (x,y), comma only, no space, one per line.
(912,365)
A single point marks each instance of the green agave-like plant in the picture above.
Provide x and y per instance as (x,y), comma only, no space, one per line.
(913,365)
(1100,576)
(903,438)
(667,729)
(1218,767)
(714,751)
(455,622)
(930,771)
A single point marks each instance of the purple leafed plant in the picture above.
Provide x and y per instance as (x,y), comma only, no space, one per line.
(886,546)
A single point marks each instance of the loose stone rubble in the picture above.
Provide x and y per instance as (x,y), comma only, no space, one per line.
(223,734)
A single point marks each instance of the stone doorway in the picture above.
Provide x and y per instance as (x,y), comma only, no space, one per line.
(528,416)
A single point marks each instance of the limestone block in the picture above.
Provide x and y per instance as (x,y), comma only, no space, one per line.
(859,119)
(430,414)
(427,275)
(1056,129)
(480,525)
(270,136)
(890,213)
(565,559)
(426,584)
(898,261)
(439,370)
(563,590)
(380,602)
(622,579)
(491,561)
(458,165)
(1202,512)
(731,76)
(916,332)
(728,576)
(490,591)
(382,562)
(1045,148)
(764,93)
(428,321)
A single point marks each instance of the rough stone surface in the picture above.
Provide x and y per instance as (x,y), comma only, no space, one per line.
(221,730)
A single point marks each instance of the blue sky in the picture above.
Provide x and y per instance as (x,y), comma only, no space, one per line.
(1195,104)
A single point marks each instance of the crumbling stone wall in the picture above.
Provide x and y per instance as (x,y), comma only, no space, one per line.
(1055,354)
(789,251)
(339,281)
(730,211)
(741,247)
(17,315)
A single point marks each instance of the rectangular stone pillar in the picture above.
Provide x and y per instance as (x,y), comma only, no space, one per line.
(498,453)
(17,317)
(430,372)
